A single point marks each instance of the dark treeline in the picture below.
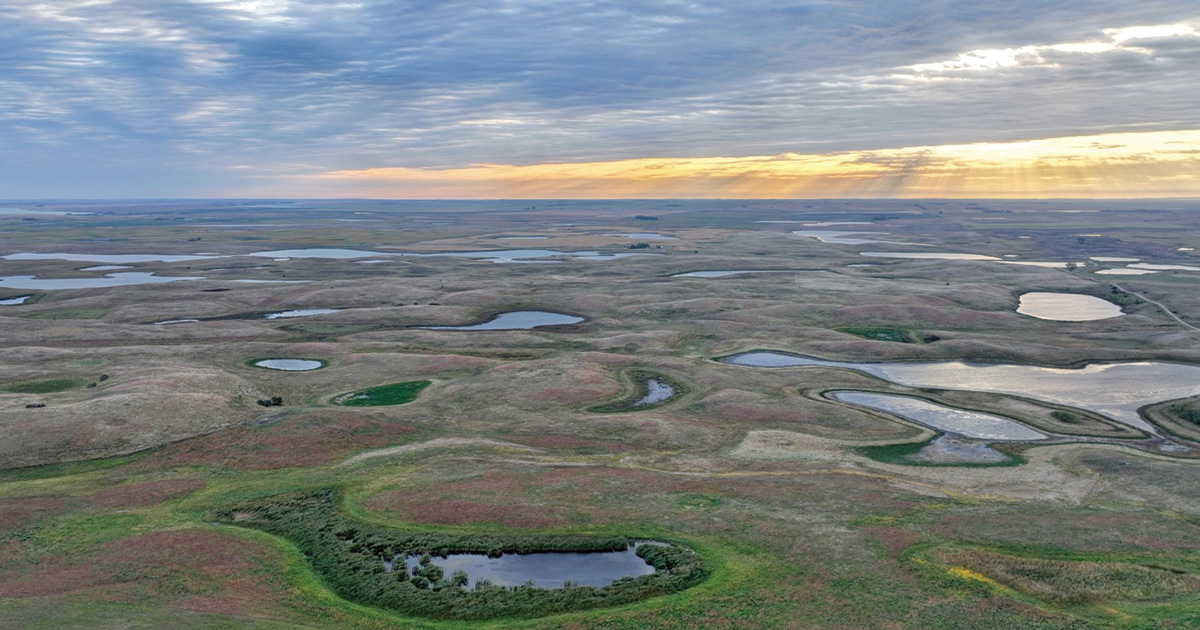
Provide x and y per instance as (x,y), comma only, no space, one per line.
(349,555)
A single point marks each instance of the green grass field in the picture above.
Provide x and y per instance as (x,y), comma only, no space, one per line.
(383,395)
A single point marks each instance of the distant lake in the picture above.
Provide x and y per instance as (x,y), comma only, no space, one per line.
(302,312)
(516,320)
(109,280)
(107,258)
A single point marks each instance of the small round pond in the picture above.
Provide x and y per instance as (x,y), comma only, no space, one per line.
(1067,307)
(289,365)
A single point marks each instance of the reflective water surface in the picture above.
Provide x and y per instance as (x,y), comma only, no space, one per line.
(516,320)
(1115,390)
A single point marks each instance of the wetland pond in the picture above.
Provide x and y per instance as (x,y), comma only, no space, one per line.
(721,273)
(289,365)
(109,280)
(1067,307)
(970,424)
(656,391)
(13,301)
(499,256)
(108,258)
(302,312)
(1114,390)
(516,320)
(543,570)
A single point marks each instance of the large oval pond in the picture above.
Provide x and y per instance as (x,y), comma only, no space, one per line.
(516,320)
(1115,390)
(1067,307)
(972,424)
(543,570)
(290,365)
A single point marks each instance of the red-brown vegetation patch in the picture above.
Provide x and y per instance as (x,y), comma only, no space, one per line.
(146,492)
(533,499)
(452,363)
(18,513)
(894,540)
(191,569)
(578,386)
(761,414)
(307,440)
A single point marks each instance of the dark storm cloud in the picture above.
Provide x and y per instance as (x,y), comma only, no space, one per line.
(122,93)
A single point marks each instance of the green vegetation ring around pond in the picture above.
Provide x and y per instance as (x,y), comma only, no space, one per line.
(886,333)
(1180,418)
(383,395)
(348,555)
(903,454)
(45,386)
(643,390)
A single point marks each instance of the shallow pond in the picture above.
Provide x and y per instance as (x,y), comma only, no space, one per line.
(167,322)
(522,238)
(501,256)
(1067,307)
(107,258)
(1113,259)
(1124,272)
(971,424)
(838,237)
(721,273)
(516,320)
(929,255)
(1164,267)
(1115,390)
(105,268)
(301,312)
(109,280)
(656,392)
(13,301)
(289,365)
(544,570)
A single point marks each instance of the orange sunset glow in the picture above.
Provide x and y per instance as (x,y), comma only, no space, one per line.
(1161,163)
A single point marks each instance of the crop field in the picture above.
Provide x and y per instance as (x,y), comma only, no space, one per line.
(152,475)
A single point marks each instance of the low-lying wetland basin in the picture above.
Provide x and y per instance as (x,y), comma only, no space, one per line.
(1066,307)
(516,320)
(540,570)
(288,365)
(1115,390)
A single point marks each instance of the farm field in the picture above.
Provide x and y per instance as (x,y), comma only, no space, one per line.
(447,378)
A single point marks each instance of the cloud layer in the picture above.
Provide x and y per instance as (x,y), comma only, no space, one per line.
(228,97)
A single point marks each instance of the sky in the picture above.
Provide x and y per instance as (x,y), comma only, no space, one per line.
(599,98)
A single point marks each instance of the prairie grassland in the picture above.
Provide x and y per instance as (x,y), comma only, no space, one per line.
(106,492)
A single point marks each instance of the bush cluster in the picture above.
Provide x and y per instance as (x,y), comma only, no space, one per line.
(349,556)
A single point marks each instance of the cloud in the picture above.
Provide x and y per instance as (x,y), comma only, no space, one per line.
(136,96)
